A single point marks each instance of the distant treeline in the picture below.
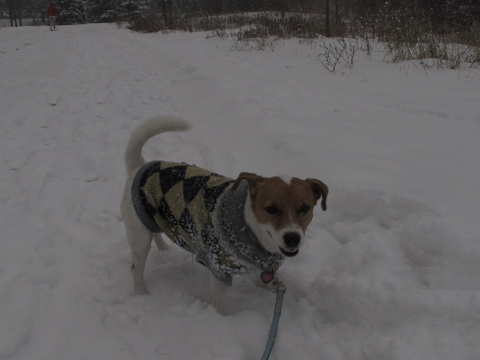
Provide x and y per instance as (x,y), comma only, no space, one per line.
(444,14)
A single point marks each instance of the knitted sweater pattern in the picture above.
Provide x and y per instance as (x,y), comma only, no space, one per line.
(198,211)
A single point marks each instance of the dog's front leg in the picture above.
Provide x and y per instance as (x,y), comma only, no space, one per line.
(218,292)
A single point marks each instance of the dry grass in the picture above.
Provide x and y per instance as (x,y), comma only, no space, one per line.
(404,36)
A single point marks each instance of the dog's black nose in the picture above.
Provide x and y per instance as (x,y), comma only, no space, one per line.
(291,239)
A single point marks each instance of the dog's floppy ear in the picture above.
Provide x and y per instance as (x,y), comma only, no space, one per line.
(250,177)
(320,190)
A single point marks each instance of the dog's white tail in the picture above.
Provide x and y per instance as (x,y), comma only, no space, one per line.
(150,128)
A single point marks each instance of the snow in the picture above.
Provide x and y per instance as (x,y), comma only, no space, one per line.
(389,271)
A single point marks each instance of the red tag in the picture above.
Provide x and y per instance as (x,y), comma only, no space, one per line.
(267,277)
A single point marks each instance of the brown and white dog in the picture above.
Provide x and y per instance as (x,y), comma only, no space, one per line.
(233,226)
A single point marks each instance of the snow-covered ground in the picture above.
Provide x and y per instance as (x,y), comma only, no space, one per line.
(390,271)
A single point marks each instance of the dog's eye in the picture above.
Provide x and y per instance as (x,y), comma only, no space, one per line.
(271,209)
(304,209)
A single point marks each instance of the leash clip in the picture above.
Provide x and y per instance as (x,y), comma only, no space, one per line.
(279,286)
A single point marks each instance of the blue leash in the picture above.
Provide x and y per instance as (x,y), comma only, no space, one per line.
(276,318)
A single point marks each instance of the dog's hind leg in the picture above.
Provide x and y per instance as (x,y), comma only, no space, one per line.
(140,241)
(161,244)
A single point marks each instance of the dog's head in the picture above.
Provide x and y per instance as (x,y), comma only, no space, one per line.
(279,209)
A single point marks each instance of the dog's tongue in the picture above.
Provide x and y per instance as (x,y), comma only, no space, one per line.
(267,277)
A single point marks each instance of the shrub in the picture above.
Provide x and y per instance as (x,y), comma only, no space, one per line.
(147,23)
(405,34)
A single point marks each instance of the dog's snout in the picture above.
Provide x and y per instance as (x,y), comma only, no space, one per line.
(292,239)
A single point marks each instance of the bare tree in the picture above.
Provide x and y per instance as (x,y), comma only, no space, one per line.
(327,17)
(15,10)
(8,7)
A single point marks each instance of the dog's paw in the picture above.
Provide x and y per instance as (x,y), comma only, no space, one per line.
(140,290)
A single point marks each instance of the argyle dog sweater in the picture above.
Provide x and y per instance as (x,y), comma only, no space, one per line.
(198,211)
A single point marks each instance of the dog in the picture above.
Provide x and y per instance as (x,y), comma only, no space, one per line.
(232,226)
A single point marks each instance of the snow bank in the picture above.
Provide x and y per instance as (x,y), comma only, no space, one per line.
(390,271)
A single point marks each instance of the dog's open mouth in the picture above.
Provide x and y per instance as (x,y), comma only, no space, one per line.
(289,252)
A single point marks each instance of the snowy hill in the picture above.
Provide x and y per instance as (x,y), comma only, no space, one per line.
(389,271)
